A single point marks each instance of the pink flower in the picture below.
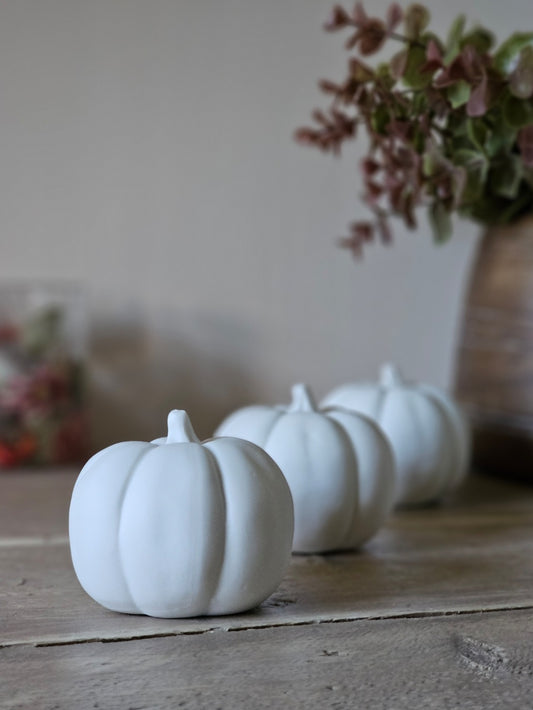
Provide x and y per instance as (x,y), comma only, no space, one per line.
(8,333)
(41,391)
(70,443)
(19,451)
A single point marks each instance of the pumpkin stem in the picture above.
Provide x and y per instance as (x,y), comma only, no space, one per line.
(180,429)
(391,376)
(302,399)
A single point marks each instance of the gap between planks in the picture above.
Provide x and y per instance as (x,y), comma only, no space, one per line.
(35,541)
(283,624)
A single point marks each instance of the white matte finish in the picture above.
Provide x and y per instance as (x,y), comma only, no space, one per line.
(339,467)
(429,435)
(176,528)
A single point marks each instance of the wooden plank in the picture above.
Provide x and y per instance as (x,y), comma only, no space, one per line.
(474,552)
(34,503)
(481,661)
(420,563)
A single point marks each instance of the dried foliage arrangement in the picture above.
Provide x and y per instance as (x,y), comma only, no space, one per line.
(42,384)
(450,121)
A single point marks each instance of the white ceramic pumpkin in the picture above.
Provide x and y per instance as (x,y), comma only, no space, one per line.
(339,467)
(428,432)
(176,528)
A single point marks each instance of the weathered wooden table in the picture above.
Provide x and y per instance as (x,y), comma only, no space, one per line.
(436,612)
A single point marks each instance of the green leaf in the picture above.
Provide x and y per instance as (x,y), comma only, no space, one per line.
(460,142)
(501,142)
(516,208)
(457,124)
(521,84)
(420,104)
(501,136)
(441,222)
(455,36)
(381,119)
(477,132)
(432,162)
(517,113)
(506,176)
(360,72)
(477,167)
(485,210)
(416,19)
(419,141)
(43,331)
(528,175)
(506,58)
(459,93)
(468,157)
(413,77)
(481,39)
(384,75)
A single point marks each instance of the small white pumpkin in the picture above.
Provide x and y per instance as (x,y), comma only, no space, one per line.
(428,432)
(176,528)
(339,467)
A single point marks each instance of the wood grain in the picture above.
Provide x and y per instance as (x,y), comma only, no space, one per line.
(431,561)
(34,503)
(478,662)
(494,366)
(398,625)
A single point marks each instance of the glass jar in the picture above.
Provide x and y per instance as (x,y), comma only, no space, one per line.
(43,339)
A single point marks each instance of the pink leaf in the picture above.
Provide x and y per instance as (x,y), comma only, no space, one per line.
(329,87)
(478,103)
(373,192)
(384,230)
(369,167)
(359,15)
(474,64)
(398,64)
(362,231)
(305,136)
(525,143)
(320,117)
(359,71)
(401,130)
(433,59)
(372,37)
(337,19)
(352,41)
(433,53)
(394,16)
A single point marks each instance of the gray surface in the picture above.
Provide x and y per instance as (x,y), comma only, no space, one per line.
(436,612)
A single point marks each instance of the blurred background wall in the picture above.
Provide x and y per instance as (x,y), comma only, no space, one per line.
(147,153)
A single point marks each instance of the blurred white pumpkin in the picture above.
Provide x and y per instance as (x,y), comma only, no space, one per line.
(339,467)
(176,528)
(428,432)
